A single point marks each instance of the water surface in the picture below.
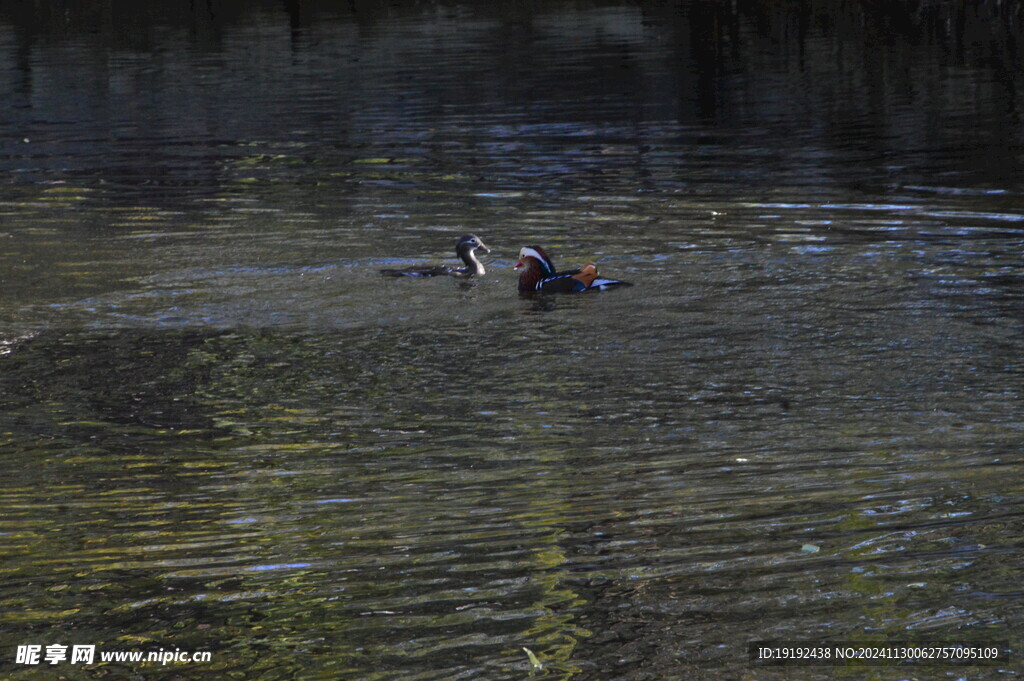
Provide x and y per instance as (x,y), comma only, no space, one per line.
(222,430)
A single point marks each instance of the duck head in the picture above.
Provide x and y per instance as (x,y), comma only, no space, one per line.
(470,242)
(466,248)
(534,258)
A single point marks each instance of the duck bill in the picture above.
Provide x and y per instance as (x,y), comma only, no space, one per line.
(519,265)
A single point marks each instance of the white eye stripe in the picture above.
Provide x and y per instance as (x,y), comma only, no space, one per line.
(472,242)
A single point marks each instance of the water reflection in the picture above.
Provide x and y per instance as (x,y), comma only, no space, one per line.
(223,430)
(904,98)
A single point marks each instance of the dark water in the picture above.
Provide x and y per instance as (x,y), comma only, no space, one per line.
(222,431)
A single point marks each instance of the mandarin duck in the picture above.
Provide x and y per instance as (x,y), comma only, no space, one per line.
(539,275)
(465,248)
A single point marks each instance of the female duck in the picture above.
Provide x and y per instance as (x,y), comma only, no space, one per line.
(538,274)
(465,248)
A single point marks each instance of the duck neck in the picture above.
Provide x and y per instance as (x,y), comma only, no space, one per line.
(529,278)
(473,266)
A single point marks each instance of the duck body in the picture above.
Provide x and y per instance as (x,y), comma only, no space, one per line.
(465,248)
(539,276)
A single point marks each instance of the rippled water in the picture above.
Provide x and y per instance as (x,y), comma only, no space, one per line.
(222,430)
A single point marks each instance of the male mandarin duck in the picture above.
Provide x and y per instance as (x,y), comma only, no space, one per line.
(465,248)
(539,275)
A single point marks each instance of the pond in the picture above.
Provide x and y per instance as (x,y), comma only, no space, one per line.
(223,431)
